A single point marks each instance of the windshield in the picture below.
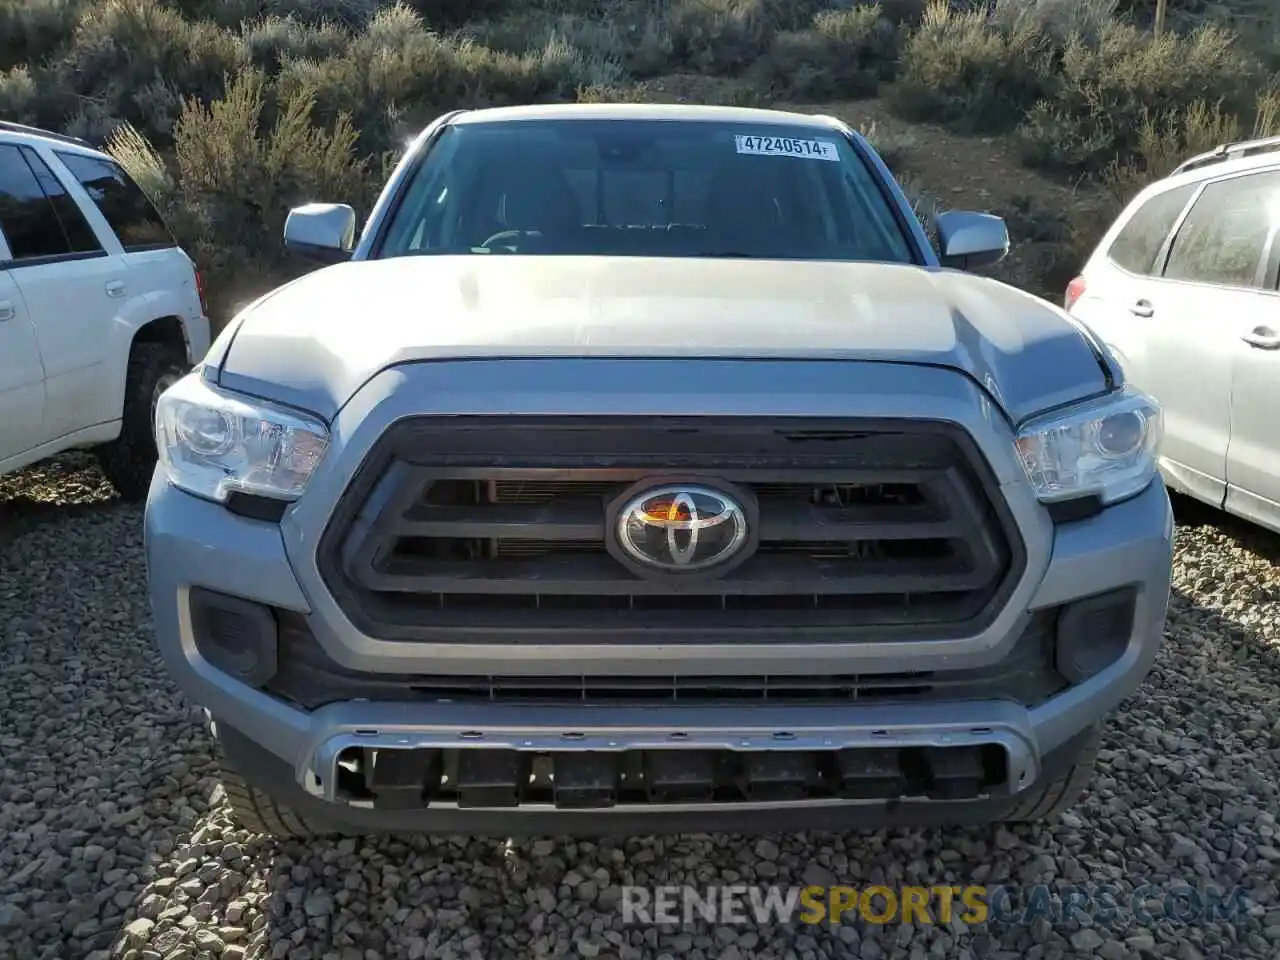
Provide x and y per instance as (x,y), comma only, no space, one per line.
(653,188)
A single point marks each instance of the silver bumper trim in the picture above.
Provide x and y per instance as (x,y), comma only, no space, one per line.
(562,728)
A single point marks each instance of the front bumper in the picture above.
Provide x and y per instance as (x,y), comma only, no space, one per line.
(193,543)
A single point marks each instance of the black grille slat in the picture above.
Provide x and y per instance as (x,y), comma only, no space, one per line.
(455,526)
(573,575)
(469,616)
(572,520)
(308,677)
(579,519)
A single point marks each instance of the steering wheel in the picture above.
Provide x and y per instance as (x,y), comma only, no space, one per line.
(508,235)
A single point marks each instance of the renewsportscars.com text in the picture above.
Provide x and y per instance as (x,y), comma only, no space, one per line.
(1101,905)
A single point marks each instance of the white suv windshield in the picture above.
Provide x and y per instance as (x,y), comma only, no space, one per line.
(657,188)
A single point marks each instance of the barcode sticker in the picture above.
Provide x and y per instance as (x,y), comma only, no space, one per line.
(787,147)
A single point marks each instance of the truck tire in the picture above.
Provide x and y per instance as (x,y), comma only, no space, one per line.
(255,811)
(130,460)
(1061,793)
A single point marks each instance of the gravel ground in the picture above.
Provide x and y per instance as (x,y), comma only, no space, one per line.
(114,841)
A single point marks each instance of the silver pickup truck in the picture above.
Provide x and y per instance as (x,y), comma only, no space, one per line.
(644,468)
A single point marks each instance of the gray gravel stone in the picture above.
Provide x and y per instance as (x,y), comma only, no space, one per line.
(115,842)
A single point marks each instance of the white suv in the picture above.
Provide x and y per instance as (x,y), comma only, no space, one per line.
(1183,288)
(100,309)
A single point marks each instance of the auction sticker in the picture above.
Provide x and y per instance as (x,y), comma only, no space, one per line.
(787,147)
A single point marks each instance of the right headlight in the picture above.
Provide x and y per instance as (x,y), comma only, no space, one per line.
(213,443)
(1106,448)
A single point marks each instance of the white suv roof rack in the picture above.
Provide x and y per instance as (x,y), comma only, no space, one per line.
(1229,151)
(8,126)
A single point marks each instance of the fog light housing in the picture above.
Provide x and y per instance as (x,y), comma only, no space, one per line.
(238,637)
(1093,632)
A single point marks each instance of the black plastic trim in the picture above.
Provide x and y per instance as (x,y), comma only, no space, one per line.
(51,259)
(206,605)
(1072,511)
(255,507)
(309,678)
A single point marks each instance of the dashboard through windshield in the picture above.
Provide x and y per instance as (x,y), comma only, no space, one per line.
(653,188)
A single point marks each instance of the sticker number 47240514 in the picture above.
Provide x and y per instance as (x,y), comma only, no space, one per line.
(787,147)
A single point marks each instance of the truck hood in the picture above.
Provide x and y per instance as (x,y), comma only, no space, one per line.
(315,341)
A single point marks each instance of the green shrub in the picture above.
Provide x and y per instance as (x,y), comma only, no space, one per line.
(397,75)
(18,96)
(611,93)
(1060,20)
(599,45)
(959,70)
(1168,137)
(31,30)
(237,178)
(1107,89)
(135,60)
(271,41)
(845,53)
(719,36)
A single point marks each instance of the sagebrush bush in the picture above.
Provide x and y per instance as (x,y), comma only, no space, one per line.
(719,36)
(397,75)
(270,41)
(960,70)
(31,30)
(678,88)
(18,96)
(1106,90)
(1059,20)
(845,53)
(600,46)
(237,177)
(135,61)
(611,93)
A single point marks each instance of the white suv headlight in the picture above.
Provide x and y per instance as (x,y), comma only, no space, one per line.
(1106,448)
(213,443)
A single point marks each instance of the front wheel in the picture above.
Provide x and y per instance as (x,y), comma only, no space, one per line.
(130,460)
(1048,801)
(253,810)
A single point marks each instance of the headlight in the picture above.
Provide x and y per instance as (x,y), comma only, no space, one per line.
(213,443)
(1105,448)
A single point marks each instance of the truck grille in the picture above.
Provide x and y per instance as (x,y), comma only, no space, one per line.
(475,529)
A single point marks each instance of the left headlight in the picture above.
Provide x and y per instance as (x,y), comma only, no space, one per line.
(1106,448)
(213,443)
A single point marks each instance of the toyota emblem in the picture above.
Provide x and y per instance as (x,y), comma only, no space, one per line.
(682,528)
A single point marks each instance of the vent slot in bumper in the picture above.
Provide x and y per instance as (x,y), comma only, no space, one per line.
(495,778)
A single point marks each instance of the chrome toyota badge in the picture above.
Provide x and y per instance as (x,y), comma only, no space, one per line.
(682,528)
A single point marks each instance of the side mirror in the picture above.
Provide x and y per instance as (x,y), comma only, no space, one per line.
(324,232)
(970,240)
